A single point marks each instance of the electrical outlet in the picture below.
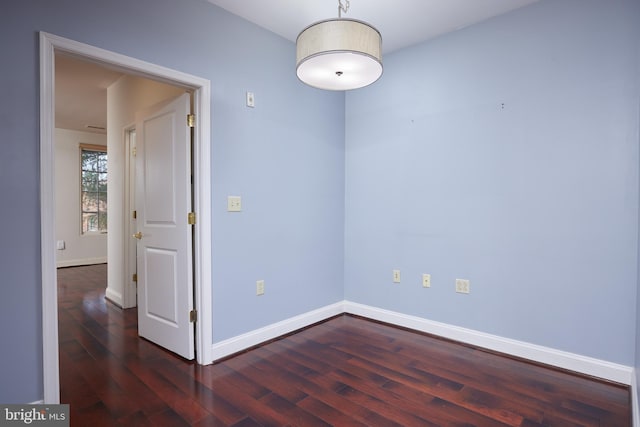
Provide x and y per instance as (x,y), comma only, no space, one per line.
(260,287)
(426,280)
(234,204)
(462,286)
(396,276)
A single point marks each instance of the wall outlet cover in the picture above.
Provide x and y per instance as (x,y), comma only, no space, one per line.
(396,276)
(426,280)
(463,286)
(234,204)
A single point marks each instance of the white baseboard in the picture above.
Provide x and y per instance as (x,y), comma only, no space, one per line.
(114,297)
(83,261)
(258,336)
(635,409)
(561,359)
(570,361)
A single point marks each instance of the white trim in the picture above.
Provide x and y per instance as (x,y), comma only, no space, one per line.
(129,288)
(37,402)
(202,254)
(83,261)
(202,236)
(114,297)
(275,330)
(561,359)
(635,409)
(51,379)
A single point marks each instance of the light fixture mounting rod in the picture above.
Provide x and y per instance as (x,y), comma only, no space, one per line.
(342,7)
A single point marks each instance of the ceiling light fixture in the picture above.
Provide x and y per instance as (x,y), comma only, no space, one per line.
(339,54)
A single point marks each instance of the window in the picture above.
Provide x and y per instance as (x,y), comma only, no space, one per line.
(93,164)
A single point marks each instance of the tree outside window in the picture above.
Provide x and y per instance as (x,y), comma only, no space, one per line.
(93,189)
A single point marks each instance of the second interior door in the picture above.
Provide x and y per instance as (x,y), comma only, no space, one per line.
(164,250)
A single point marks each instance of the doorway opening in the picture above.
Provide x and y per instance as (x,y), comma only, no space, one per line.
(51,45)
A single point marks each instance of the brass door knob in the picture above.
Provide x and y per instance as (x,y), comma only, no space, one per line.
(138,235)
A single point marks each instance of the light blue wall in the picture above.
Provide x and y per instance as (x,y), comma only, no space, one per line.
(285,158)
(507,154)
(536,203)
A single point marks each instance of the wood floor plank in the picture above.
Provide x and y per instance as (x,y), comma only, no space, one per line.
(417,388)
(328,413)
(505,411)
(298,364)
(403,408)
(97,415)
(178,401)
(207,398)
(346,371)
(211,396)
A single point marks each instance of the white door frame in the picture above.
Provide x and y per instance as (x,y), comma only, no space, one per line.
(130,288)
(49,44)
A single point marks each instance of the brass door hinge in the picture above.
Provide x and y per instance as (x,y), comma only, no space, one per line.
(134,214)
(191,219)
(134,277)
(193,316)
(134,151)
(191,120)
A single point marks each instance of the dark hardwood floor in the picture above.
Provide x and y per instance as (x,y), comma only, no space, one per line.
(346,371)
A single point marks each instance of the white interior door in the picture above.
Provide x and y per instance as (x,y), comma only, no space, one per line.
(164,249)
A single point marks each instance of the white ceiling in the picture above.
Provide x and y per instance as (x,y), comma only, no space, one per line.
(81,95)
(402,23)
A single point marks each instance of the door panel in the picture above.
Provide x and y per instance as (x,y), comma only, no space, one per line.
(160,270)
(160,200)
(164,251)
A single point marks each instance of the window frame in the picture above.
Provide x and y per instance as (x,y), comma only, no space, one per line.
(99,149)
